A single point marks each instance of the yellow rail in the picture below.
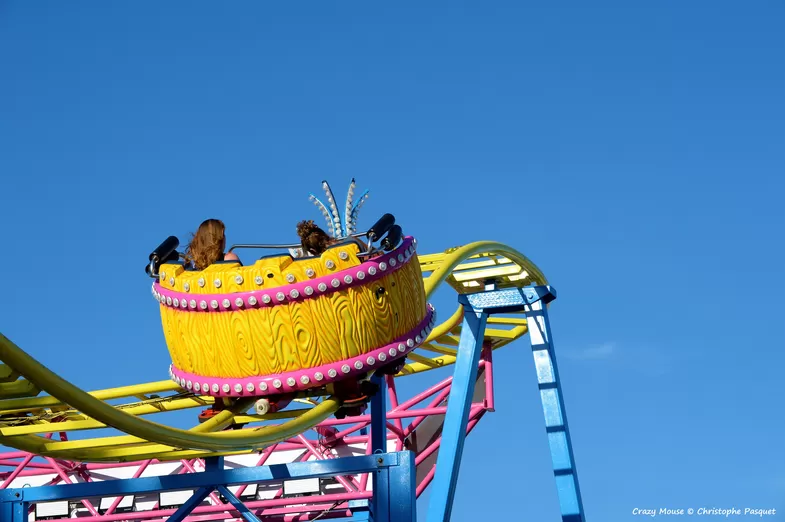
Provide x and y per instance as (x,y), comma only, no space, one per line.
(24,418)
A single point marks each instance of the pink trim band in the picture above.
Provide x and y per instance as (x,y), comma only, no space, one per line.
(366,272)
(260,386)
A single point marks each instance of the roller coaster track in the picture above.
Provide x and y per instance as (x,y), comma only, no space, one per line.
(27,414)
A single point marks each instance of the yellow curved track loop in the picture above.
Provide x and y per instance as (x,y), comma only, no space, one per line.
(25,417)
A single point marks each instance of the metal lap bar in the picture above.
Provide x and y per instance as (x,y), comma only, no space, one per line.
(478,307)
(394,472)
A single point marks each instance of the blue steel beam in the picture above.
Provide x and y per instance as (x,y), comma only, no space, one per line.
(448,460)
(508,300)
(228,477)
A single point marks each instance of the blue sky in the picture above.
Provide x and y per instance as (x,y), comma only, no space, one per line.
(633,150)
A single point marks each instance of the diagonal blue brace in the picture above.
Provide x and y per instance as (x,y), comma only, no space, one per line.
(237,503)
(563,460)
(190,504)
(454,431)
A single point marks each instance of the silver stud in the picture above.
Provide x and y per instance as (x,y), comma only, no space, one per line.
(347,279)
(200,282)
(183,304)
(169,301)
(335,283)
(252,301)
(382,357)
(330,264)
(163,275)
(345,368)
(258,280)
(423,334)
(214,304)
(372,270)
(371,361)
(203,305)
(322,287)
(266,299)
(176,302)
(410,343)
(192,303)
(304,379)
(358,365)
(332,373)
(197,387)
(393,352)
(294,294)
(361,275)
(309,272)
(189,385)
(401,347)
(215,388)
(217,283)
(187,287)
(290,381)
(263,386)
(239,302)
(238,388)
(249,387)
(277,383)
(227,303)
(280,296)
(238,279)
(400,258)
(308,290)
(318,376)
(290,278)
(171,281)
(206,388)
(225,388)
(392,261)
(343,255)
(382,266)
(417,339)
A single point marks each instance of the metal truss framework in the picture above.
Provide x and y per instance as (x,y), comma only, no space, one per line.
(366,476)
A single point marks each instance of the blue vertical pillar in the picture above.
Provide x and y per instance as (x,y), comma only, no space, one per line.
(455,422)
(13,511)
(379,416)
(562,457)
(380,505)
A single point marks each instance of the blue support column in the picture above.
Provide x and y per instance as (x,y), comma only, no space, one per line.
(380,504)
(402,489)
(570,501)
(457,417)
(379,416)
(14,511)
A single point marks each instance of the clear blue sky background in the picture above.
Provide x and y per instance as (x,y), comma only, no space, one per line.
(634,150)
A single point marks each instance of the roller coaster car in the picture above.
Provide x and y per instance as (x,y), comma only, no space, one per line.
(285,325)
